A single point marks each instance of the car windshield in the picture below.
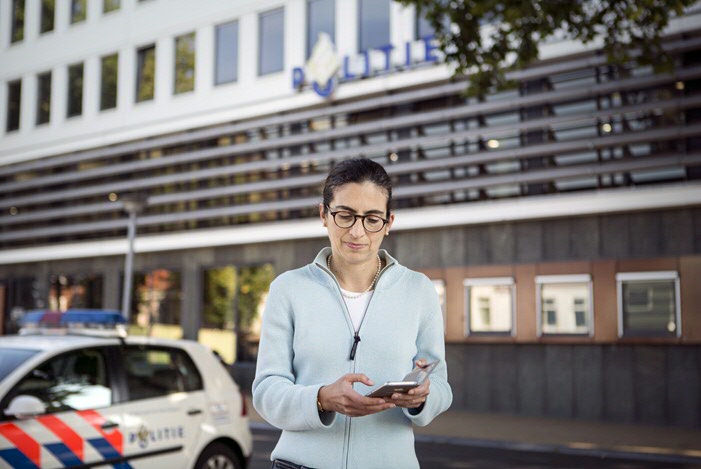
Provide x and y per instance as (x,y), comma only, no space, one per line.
(11,358)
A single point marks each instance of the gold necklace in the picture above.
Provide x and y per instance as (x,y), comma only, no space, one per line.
(374,280)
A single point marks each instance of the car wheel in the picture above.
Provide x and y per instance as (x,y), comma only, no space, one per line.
(218,456)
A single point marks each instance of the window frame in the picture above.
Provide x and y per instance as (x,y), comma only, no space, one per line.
(443,298)
(72,19)
(217,49)
(39,96)
(17,31)
(102,82)
(360,28)
(261,15)
(106,12)
(10,84)
(177,63)
(42,11)
(69,112)
(139,73)
(111,375)
(308,41)
(467,284)
(653,275)
(146,348)
(541,280)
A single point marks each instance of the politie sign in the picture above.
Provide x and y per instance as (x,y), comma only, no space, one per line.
(325,68)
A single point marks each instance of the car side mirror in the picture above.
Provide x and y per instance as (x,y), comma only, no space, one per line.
(24,407)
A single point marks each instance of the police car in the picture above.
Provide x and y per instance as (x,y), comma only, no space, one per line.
(82,393)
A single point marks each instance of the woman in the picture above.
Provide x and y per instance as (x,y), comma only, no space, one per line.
(341,326)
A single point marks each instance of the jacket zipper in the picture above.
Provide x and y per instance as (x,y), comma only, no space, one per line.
(354,348)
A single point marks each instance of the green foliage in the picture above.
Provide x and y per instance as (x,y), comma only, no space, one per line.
(254,282)
(146,78)
(108,83)
(219,295)
(17,21)
(185,63)
(489,37)
(79,10)
(221,287)
(110,5)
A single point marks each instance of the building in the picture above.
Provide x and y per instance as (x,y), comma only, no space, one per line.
(560,221)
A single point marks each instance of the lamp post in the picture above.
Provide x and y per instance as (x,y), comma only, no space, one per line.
(134,204)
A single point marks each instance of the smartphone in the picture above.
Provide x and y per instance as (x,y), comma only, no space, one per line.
(412,380)
(391,387)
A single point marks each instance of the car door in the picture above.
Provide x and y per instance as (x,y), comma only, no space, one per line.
(165,407)
(78,425)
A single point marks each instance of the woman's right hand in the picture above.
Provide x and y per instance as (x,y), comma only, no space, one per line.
(342,398)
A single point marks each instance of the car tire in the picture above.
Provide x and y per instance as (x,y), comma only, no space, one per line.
(218,456)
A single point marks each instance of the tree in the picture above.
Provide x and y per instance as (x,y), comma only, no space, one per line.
(485,38)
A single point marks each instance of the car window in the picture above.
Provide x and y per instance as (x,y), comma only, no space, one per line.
(154,372)
(73,381)
(11,358)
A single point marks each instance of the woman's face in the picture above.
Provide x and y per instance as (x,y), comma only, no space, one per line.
(355,245)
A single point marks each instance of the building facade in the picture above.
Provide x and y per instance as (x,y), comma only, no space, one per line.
(560,220)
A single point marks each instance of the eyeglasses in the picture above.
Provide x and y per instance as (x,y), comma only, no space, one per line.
(371,223)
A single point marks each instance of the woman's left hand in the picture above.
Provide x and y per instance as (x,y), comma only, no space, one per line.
(415,397)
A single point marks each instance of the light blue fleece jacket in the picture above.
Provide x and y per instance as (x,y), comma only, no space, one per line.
(305,343)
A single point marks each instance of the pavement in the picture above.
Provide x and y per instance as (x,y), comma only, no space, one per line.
(603,439)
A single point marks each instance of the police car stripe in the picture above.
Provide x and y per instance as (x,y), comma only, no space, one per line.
(114,437)
(15,458)
(107,451)
(67,457)
(66,434)
(23,442)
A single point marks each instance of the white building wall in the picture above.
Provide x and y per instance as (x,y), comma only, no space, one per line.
(137,24)
(5,24)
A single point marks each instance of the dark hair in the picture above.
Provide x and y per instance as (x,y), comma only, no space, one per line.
(356,170)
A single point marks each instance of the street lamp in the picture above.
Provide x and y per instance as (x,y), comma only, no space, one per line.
(134,204)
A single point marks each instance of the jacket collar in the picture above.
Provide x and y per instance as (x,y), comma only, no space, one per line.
(389,273)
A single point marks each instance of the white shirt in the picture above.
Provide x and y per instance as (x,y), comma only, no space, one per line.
(357,306)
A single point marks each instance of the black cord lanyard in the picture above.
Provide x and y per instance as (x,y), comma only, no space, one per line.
(356,337)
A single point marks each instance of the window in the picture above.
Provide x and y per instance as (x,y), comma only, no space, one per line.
(17,21)
(233,303)
(155,372)
(145,73)
(14,98)
(43,98)
(184,63)
(109,70)
(48,8)
(423,27)
(12,358)
(439,285)
(648,304)
(110,5)
(564,304)
(78,11)
(21,294)
(75,291)
(75,90)
(320,18)
(227,53)
(271,43)
(489,305)
(374,24)
(72,381)
(156,304)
